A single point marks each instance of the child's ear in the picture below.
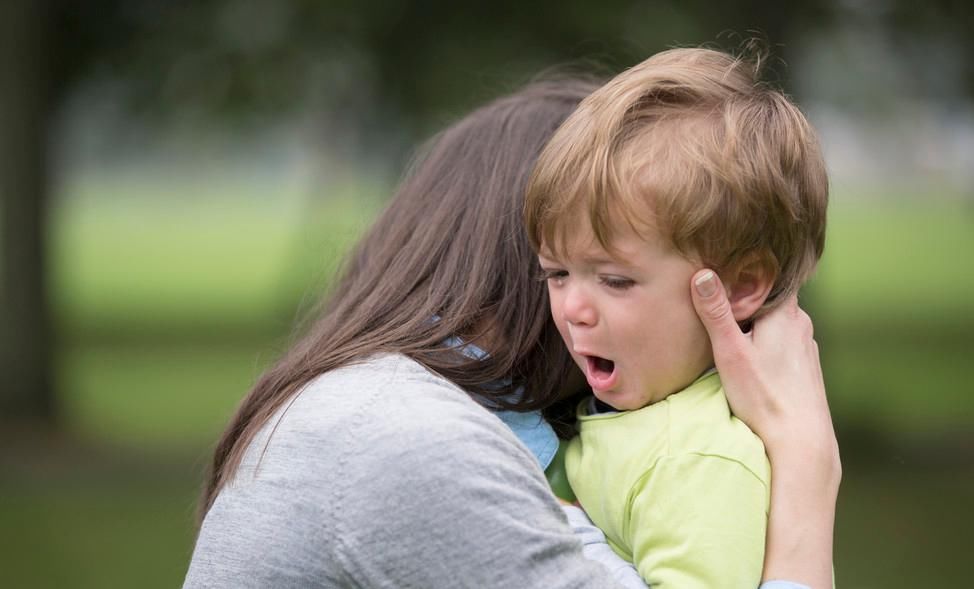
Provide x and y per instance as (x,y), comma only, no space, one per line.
(749,283)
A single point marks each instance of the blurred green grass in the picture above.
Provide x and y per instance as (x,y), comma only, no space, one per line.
(168,398)
(893,302)
(898,261)
(127,262)
(908,526)
(169,307)
(109,533)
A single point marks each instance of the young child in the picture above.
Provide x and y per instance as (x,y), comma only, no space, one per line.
(683,162)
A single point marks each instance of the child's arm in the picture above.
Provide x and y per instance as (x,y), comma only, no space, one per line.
(699,521)
(594,545)
(596,548)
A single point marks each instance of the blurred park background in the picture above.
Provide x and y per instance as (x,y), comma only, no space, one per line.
(179,180)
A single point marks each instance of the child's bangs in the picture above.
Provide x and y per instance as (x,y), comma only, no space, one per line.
(679,176)
(606,200)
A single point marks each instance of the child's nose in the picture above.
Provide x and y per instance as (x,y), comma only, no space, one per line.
(577,307)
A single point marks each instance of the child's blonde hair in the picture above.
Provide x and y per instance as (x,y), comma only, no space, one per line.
(689,142)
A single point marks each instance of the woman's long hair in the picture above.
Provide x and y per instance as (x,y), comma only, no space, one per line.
(448,257)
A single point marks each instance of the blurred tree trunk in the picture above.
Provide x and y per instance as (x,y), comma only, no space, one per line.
(26,391)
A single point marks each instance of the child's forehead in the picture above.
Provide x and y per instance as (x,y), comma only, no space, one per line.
(578,237)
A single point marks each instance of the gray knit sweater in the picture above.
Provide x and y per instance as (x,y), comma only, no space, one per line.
(383,474)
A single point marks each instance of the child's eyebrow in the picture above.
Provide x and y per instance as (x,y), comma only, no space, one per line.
(592,255)
(596,258)
(600,258)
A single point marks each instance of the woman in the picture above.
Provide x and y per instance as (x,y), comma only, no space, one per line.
(365,457)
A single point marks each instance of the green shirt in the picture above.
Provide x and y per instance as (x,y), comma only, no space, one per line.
(680,487)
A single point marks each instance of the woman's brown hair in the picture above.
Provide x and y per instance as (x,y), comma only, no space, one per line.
(448,257)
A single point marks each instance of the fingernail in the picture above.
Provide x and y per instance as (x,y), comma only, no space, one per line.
(705,284)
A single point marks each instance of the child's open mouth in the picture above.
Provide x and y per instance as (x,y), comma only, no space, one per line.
(601,372)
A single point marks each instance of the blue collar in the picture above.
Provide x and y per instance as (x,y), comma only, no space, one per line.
(529,426)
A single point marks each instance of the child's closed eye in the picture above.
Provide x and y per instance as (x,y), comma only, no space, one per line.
(617,282)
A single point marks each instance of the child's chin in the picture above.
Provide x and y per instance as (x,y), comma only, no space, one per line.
(617,401)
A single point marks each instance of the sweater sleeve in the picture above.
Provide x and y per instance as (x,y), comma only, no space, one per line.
(698,521)
(596,548)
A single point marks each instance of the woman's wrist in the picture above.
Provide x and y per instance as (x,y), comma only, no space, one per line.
(811,457)
(805,485)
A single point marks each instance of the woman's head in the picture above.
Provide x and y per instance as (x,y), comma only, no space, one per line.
(448,257)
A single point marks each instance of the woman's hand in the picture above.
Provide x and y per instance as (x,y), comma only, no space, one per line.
(773,381)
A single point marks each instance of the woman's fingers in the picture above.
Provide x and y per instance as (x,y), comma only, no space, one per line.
(786,324)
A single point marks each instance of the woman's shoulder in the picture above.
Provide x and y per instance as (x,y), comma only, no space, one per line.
(368,455)
(374,408)
(382,373)
(382,386)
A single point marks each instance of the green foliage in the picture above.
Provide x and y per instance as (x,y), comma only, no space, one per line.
(240,58)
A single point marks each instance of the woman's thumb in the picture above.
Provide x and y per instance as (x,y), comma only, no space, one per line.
(714,310)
